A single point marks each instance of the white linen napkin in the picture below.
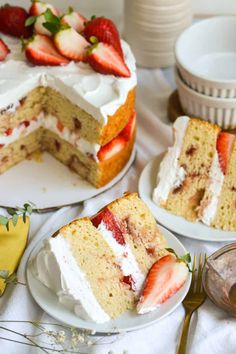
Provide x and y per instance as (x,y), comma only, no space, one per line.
(211,331)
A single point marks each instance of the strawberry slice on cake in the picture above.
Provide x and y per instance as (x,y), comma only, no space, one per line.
(164,279)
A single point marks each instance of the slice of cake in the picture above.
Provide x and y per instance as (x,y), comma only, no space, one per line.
(218,206)
(78,108)
(97,266)
(184,172)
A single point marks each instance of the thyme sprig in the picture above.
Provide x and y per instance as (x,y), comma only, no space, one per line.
(15,213)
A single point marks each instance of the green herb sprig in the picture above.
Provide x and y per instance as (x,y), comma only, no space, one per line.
(15,213)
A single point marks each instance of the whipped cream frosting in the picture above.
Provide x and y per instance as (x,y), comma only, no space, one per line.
(214,189)
(124,257)
(170,174)
(56,267)
(50,122)
(99,95)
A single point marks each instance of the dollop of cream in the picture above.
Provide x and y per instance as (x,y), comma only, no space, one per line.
(170,174)
(56,267)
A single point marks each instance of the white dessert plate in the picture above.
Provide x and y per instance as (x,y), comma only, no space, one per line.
(129,321)
(194,230)
(48,184)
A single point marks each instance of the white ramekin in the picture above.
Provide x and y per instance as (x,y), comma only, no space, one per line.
(221,111)
(206,56)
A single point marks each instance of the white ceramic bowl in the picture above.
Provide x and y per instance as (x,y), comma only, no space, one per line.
(221,111)
(206,56)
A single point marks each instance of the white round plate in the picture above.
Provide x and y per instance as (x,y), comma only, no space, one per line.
(48,184)
(195,230)
(129,321)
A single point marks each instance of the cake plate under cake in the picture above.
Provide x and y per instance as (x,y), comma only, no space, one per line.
(48,184)
(177,224)
(129,321)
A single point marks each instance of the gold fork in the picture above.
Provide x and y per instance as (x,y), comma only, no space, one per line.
(195,298)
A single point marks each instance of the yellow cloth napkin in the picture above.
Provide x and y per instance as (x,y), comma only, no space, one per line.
(12,246)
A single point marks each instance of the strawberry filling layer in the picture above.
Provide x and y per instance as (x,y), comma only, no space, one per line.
(53,124)
(108,226)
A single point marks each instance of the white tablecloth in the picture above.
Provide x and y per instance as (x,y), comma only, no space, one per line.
(212,330)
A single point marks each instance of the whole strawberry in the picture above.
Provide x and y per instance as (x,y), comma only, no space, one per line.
(12,21)
(105,31)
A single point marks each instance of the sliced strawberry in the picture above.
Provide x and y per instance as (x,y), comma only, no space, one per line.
(2,145)
(164,279)
(105,31)
(106,60)
(128,131)
(224,146)
(12,21)
(8,131)
(71,44)
(40,50)
(74,19)
(39,7)
(106,216)
(39,27)
(111,148)
(4,50)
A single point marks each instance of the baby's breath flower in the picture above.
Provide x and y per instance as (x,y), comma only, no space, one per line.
(89,343)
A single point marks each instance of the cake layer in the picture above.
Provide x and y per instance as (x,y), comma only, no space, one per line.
(184,171)
(71,116)
(98,95)
(98,174)
(139,229)
(88,279)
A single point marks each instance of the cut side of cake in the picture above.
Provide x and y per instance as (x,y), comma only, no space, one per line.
(184,172)
(71,110)
(196,178)
(218,206)
(97,266)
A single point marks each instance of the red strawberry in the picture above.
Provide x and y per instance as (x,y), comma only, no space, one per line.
(40,50)
(12,21)
(60,126)
(128,131)
(74,19)
(106,216)
(224,146)
(39,7)
(4,50)
(111,148)
(106,60)
(164,279)
(8,131)
(105,31)
(38,26)
(2,145)
(71,44)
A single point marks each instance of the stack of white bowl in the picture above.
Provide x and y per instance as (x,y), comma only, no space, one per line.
(152,26)
(206,70)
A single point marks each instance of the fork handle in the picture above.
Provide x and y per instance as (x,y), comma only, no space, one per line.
(184,335)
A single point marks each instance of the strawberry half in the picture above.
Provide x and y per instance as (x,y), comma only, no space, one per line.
(106,216)
(128,131)
(71,44)
(105,31)
(74,19)
(39,7)
(224,146)
(106,60)
(39,27)
(110,149)
(40,50)
(4,50)
(12,21)
(164,279)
